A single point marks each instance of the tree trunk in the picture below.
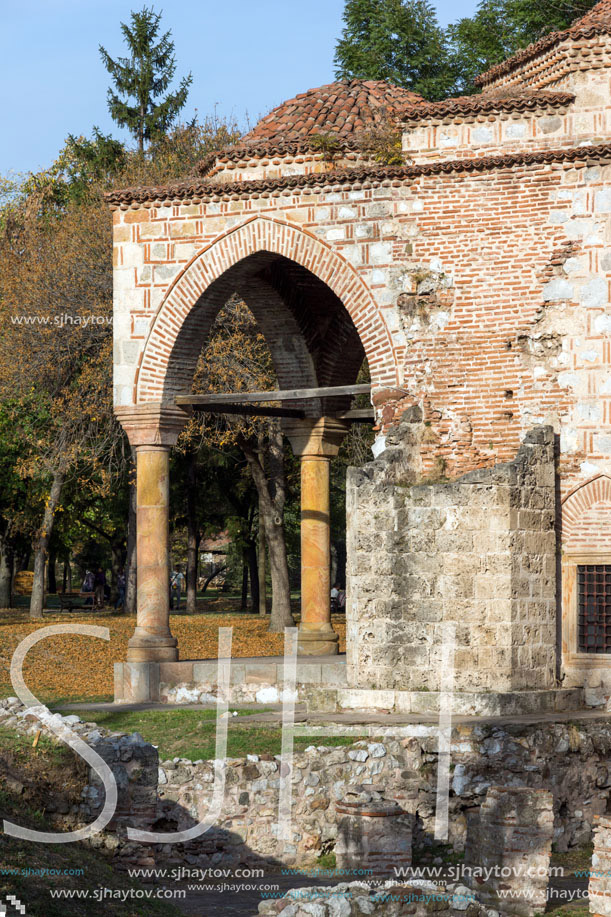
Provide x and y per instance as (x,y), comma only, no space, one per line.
(130,560)
(116,553)
(37,599)
(6,573)
(192,534)
(272,496)
(261,565)
(67,575)
(51,578)
(251,554)
(244,598)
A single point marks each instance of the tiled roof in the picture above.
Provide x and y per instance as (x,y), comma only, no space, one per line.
(367,176)
(596,22)
(490,102)
(278,133)
(344,108)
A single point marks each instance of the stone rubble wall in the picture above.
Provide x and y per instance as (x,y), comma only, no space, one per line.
(570,760)
(356,899)
(478,553)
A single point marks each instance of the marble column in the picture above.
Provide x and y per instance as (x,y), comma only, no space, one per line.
(152,431)
(316,442)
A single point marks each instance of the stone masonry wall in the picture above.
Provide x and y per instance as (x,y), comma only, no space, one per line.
(571,760)
(477,553)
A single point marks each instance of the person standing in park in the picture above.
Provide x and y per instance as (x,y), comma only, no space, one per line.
(177,583)
(121,586)
(100,583)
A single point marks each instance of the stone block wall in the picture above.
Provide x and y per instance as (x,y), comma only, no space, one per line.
(475,557)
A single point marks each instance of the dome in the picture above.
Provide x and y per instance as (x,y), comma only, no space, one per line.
(343,108)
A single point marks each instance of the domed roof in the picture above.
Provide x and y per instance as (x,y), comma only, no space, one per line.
(343,108)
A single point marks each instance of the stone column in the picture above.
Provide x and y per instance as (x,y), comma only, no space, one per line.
(152,430)
(316,442)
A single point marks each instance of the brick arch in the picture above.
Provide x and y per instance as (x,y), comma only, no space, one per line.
(165,366)
(586,516)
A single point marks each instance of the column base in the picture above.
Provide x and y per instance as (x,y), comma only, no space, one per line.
(322,641)
(146,647)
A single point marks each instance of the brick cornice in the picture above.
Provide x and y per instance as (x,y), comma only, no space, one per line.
(541,47)
(363,177)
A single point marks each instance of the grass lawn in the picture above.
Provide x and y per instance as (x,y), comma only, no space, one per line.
(191,733)
(71,668)
(29,870)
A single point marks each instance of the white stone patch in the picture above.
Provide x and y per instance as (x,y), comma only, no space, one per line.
(568,440)
(141,326)
(482,135)
(602,443)
(558,216)
(363,230)
(589,468)
(186,695)
(594,295)
(579,203)
(334,235)
(515,130)
(379,445)
(590,356)
(588,410)
(447,139)
(602,200)
(380,252)
(602,323)
(267,695)
(347,213)
(568,380)
(557,289)
(572,265)
(353,254)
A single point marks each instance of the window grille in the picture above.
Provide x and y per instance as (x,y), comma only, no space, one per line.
(594,604)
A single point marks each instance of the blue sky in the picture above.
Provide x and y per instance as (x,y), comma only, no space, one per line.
(246,56)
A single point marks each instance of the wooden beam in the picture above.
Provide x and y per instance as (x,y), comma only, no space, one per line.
(296,394)
(248,410)
(357,415)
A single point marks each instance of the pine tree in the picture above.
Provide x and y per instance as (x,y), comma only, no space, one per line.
(144,77)
(395,40)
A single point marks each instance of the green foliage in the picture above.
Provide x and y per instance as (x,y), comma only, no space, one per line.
(499,28)
(328,144)
(401,41)
(395,40)
(144,77)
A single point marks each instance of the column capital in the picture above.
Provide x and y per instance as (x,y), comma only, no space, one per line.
(321,437)
(152,424)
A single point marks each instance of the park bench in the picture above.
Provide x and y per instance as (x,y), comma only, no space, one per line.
(72,601)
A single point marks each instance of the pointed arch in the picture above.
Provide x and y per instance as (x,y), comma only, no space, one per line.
(181,322)
(586,515)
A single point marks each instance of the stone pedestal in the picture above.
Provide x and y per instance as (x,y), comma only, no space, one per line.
(510,840)
(374,833)
(316,443)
